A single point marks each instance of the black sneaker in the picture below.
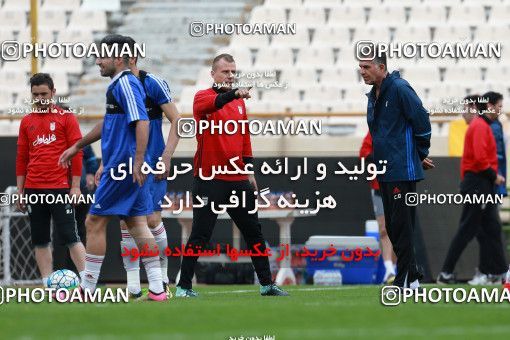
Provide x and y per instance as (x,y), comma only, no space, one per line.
(446,279)
(272,290)
(135,296)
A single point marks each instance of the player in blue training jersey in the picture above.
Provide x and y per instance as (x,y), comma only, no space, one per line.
(157,103)
(124,135)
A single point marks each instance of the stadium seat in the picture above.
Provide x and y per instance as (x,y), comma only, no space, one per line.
(405,34)
(286,3)
(323,93)
(422,75)
(497,74)
(428,14)
(444,33)
(335,76)
(291,94)
(13,81)
(274,58)
(325,35)
(52,19)
(71,65)
(43,35)
(308,16)
(101,5)
(88,20)
(315,56)
(13,20)
(351,16)
(387,16)
(85,37)
(467,15)
(462,74)
(261,14)
(63,5)
(376,34)
(17,5)
(500,14)
(256,41)
(323,3)
(242,56)
(298,40)
(6,35)
(299,77)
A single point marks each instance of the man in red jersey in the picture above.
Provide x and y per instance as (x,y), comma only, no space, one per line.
(479,173)
(219,104)
(43,135)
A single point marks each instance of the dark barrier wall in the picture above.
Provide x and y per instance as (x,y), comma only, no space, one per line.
(438,222)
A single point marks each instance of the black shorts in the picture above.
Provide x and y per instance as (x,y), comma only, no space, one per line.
(41,213)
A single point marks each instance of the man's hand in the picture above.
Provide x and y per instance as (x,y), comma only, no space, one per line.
(89,182)
(75,193)
(253,182)
(19,205)
(138,176)
(427,164)
(99,173)
(65,158)
(499,180)
(165,158)
(243,93)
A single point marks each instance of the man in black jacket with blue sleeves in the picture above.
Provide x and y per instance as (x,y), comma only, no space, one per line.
(400,128)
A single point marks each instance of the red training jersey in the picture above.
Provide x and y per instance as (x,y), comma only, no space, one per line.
(480,151)
(364,152)
(42,139)
(216,149)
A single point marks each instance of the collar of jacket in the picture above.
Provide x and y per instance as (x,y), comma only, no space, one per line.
(487,119)
(387,81)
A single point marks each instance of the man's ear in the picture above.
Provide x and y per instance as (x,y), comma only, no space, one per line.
(53,92)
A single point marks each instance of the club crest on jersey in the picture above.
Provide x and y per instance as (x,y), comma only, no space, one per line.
(240,108)
(52,126)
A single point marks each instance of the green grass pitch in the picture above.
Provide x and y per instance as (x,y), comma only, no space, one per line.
(222,312)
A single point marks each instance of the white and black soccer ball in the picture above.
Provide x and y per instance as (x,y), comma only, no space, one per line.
(63,278)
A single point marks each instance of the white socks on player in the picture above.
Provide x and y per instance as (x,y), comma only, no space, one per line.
(159,234)
(132,267)
(45,281)
(388,264)
(414,285)
(92,269)
(153,270)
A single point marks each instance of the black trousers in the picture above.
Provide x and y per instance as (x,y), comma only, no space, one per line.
(481,221)
(400,224)
(204,219)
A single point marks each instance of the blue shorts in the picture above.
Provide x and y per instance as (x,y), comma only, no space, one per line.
(157,190)
(122,198)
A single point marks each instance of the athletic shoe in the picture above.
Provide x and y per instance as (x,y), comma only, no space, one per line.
(168,292)
(494,279)
(135,296)
(272,290)
(480,279)
(157,297)
(446,279)
(181,292)
(389,280)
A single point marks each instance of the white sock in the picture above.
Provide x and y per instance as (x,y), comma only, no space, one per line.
(92,269)
(414,285)
(153,270)
(45,281)
(388,264)
(159,234)
(132,267)
(81,275)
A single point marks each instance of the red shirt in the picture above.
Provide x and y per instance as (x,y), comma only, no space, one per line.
(217,149)
(42,139)
(364,152)
(480,151)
